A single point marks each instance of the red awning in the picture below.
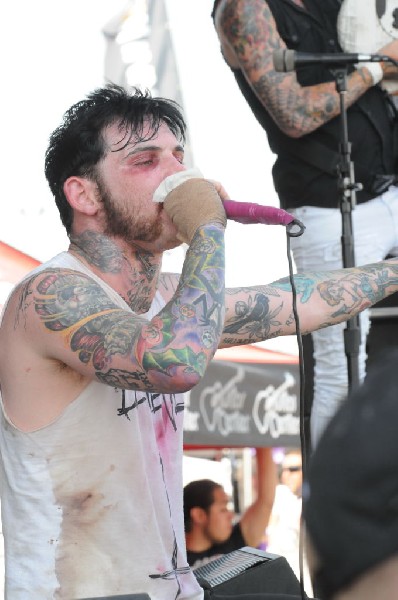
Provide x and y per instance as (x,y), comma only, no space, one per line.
(255,354)
(14,264)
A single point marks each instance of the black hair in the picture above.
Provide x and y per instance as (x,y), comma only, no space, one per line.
(77,145)
(198,493)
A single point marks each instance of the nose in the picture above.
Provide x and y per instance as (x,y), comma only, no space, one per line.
(173,166)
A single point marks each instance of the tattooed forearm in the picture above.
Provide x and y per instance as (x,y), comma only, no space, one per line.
(253,317)
(346,289)
(323,299)
(201,291)
(194,317)
(333,297)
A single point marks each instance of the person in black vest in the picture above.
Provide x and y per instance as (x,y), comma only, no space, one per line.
(300,113)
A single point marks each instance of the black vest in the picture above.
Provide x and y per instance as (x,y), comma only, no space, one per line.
(370,120)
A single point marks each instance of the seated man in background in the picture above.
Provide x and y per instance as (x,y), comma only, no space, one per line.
(350,502)
(209,529)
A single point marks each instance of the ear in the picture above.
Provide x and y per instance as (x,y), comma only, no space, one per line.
(81,195)
(198,515)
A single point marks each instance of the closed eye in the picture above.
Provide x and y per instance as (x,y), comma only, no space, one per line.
(147,161)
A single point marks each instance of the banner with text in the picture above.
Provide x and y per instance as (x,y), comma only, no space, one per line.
(244,404)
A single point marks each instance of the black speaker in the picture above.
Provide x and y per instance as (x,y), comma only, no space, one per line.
(249,571)
(383,333)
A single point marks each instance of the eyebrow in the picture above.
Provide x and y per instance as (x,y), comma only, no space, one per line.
(138,149)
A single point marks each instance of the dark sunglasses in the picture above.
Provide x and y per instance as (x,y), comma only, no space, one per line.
(292,469)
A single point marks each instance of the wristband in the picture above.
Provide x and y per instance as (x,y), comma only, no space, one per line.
(375,69)
(173,192)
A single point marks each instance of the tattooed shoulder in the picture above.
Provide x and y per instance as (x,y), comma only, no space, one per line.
(62,297)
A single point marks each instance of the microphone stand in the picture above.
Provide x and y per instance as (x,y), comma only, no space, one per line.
(347,193)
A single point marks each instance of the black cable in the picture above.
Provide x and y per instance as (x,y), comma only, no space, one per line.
(303,444)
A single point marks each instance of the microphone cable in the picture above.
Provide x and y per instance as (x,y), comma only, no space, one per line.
(303,444)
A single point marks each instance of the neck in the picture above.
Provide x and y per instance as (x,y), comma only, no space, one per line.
(197,542)
(132,271)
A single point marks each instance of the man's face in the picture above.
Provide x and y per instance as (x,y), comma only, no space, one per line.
(218,526)
(292,474)
(127,179)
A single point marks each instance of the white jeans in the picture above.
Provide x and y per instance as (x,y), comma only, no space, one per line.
(375,235)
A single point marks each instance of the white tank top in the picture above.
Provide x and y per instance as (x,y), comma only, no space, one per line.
(92,503)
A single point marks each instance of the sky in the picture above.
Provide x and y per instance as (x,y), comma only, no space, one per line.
(53,54)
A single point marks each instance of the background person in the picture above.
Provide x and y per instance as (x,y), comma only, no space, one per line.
(209,527)
(98,346)
(299,112)
(351,496)
(291,471)
(283,530)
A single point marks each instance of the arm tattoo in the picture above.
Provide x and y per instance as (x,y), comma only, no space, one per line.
(253,318)
(199,302)
(184,335)
(94,327)
(347,291)
(323,299)
(251,31)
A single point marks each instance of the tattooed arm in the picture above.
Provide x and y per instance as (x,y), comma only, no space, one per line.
(67,317)
(249,37)
(259,313)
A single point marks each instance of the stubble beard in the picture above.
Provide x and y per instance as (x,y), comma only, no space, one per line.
(120,223)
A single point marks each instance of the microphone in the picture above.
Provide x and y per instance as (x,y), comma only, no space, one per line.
(242,212)
(250,213)
(289,60)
